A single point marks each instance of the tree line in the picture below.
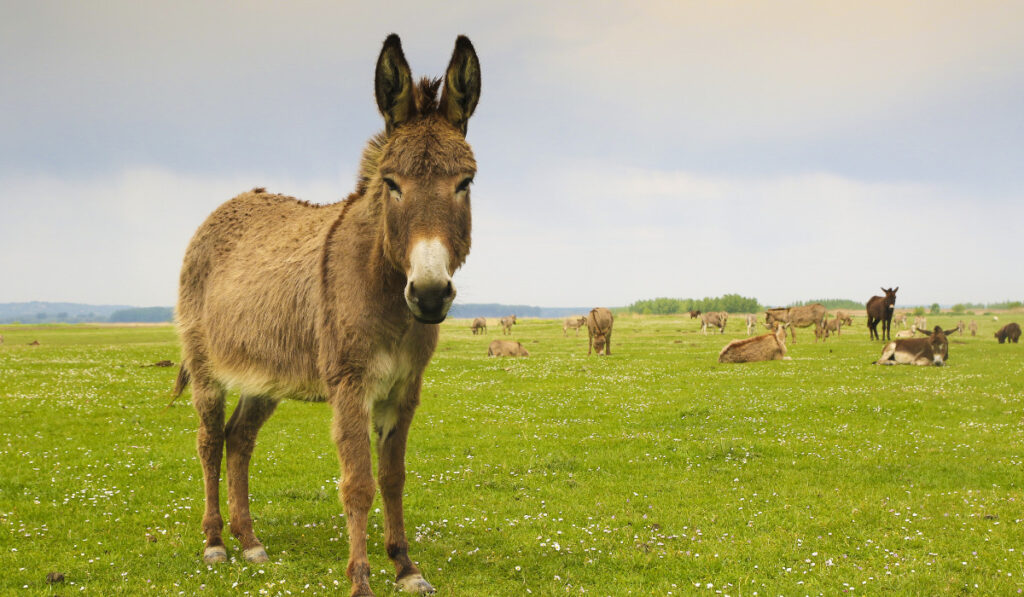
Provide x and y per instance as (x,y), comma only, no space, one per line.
(731,303)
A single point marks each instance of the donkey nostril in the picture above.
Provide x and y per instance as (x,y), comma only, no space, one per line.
(448,290)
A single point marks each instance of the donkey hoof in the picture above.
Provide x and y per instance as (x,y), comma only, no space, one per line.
(257,555)
(215,555)
(414,583)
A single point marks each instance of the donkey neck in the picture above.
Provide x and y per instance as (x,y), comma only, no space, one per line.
(364,279)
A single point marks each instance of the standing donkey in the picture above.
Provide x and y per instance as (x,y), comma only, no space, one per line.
(880,310)
(283,299)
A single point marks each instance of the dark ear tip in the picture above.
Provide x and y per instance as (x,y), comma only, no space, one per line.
(392,41)
(462,43)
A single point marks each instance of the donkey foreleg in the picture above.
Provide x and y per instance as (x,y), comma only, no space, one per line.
(241,430)
(391,479)
(350,430)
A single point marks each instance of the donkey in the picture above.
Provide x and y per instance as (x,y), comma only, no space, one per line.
(574,322)
(767,347)
(479,326)
(880,310)
(933,350)
(599,331)
(716,319)
(796,317)
(506,324)
(284,299)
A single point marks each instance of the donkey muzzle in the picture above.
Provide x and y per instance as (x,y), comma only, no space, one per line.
(429,291)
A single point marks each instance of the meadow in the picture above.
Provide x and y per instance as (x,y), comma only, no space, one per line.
(654,471)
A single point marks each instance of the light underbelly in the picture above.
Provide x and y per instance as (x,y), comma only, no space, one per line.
(255,382)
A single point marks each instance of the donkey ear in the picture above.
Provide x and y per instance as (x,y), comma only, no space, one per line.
(461,84)
(896,289)
(393,84)
(949,332)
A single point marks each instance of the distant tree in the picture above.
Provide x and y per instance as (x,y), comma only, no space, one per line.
(732,303)
(934,309)
(1005,305)
(959,308)
(918,311)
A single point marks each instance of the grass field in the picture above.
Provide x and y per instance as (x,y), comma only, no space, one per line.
(655,471)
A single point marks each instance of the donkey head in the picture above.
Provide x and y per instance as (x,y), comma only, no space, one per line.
(890,297)
(939,344)
(423,172)
(780,333)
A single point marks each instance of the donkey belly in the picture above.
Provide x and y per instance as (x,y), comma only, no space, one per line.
(261,334)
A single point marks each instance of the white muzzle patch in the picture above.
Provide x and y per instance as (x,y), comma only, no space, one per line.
(428,279)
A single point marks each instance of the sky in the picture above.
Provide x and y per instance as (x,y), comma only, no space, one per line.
(626,150)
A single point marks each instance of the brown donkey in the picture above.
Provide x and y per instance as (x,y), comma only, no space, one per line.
(880,310)
(283,299)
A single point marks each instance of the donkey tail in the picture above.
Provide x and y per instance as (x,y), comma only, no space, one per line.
(179,384)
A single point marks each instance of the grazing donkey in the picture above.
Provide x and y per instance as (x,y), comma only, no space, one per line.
(880,310)
(283,299)
(479,326)
(716,319)
(1010,331)
(599,331)
(573,323)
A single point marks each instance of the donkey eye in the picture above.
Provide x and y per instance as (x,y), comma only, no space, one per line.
(464,185)
(396,191)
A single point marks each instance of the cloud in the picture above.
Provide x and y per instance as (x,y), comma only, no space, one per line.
(114,240)
(592,235)
(626,234)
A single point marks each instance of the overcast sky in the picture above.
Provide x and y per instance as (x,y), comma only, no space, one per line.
(780,150)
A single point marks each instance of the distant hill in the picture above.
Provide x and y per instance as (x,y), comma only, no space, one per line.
(44,312)
(470,310)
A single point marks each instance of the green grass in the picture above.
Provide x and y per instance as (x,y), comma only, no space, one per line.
(654,471)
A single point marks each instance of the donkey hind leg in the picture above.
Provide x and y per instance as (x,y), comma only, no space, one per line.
(241,430)
(208,401)
(350,429)
(391,478)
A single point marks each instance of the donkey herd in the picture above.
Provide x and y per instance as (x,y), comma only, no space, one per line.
(279,298)
(931,347)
